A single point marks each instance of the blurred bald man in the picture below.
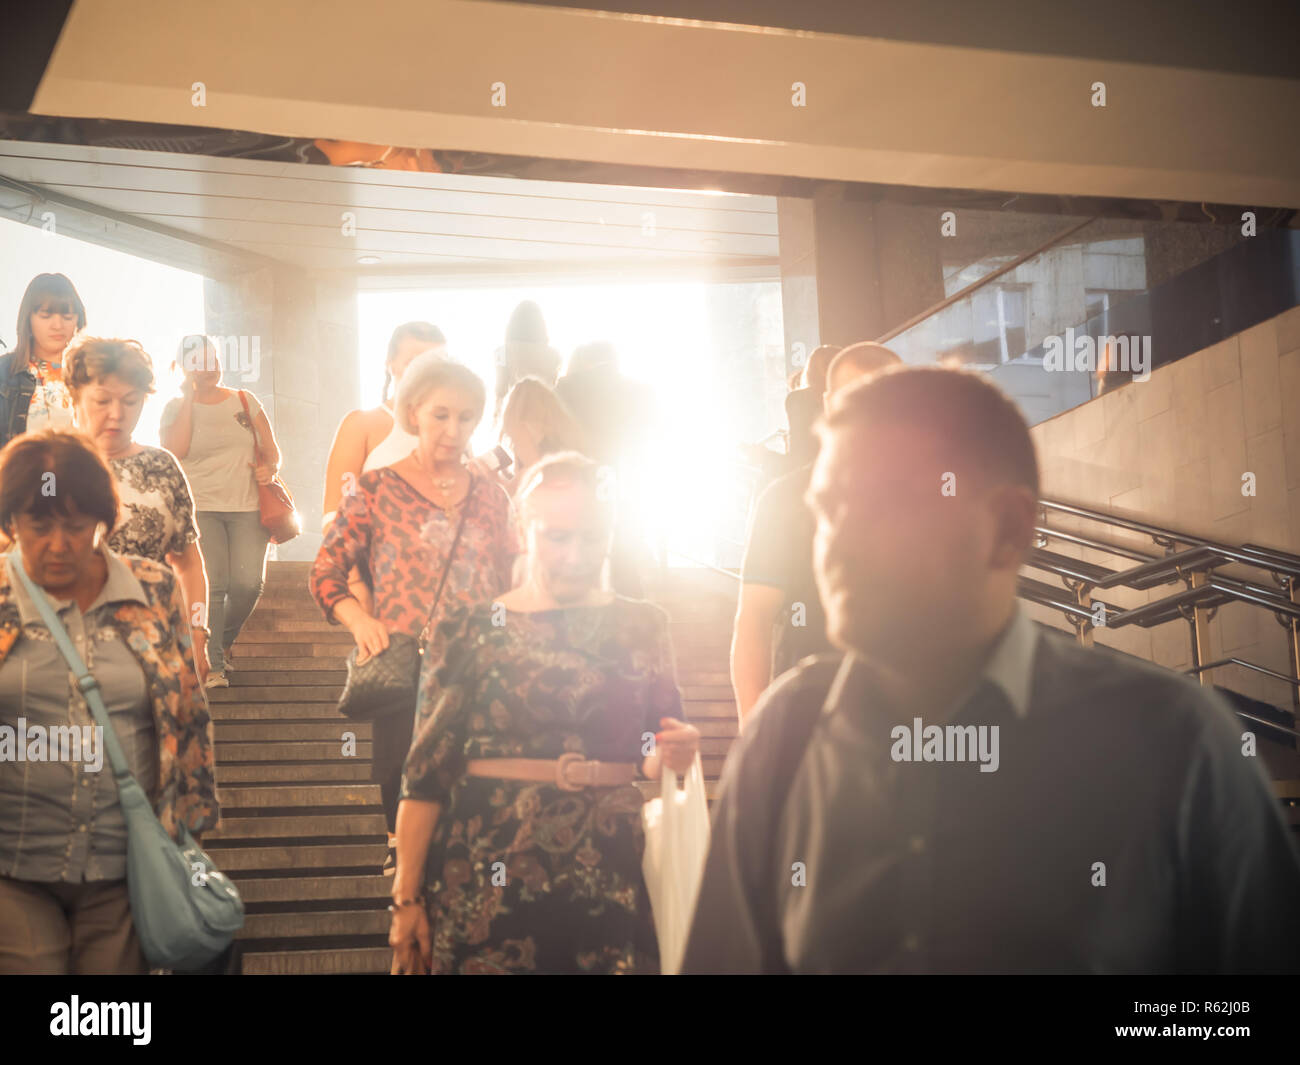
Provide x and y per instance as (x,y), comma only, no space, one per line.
(779,618)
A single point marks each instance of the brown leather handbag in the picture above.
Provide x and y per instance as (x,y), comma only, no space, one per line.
(279,516)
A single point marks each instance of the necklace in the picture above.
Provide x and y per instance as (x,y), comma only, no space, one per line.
(443,486)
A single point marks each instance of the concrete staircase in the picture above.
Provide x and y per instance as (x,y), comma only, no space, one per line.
(302,827)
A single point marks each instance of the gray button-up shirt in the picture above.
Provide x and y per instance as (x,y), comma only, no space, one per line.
(60,820)
(1123,829)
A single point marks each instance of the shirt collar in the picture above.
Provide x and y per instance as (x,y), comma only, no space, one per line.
(1009,667)
(122,586)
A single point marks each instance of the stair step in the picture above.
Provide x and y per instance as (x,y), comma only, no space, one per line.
(271,676)
(310,773)
(326,710)
(300,828)
(255,731)
(275,795)
(274,693)
(288,751)
(291,750)
(326,923)
(301,856)
(264,623)
(374,960)
(332,634)
(260,666)
(253,654)
(696,708)
(314,888)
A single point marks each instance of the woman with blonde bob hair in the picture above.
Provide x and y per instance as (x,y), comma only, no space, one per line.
(425,533)
(536,711)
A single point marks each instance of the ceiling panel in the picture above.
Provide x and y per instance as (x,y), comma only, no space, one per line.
(295,213)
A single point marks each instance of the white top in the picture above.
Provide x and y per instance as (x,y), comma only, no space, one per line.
(392,448)
(221,448)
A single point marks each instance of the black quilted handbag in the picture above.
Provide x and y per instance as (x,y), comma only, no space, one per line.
(388,683)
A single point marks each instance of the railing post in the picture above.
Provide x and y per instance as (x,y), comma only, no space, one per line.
(1200,627)
(1083,626)
(1294,626)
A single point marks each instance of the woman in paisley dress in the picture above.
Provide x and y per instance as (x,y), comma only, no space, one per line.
(398,529)
(519,835)
(109,380)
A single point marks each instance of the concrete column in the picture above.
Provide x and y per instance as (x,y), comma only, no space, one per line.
(851,269)
(291,339)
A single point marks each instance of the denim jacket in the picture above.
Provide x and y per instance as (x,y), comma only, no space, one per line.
(16,388)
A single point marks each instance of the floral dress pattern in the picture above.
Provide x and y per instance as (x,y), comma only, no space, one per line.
(522,876)
(157,512)
(399,539)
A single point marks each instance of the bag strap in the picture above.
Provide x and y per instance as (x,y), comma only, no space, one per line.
(446,566)
(252,427)
(798,726)
(86,681)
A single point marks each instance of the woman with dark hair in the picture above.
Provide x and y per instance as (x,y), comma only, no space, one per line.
(32,393)
(519,838)
(109,380)
(368,439)
(64,903)
(427,531)
(227,448)
(526,353)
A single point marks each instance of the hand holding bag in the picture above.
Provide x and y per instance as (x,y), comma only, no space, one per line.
(676,844)
(274,502)
(389,682)
(185,910)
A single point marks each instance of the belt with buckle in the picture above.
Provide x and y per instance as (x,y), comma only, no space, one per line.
(569,772)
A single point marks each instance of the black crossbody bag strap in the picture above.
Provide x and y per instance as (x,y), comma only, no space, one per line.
(451,555)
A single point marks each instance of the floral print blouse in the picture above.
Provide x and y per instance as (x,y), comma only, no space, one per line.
(157,512)
(400,540)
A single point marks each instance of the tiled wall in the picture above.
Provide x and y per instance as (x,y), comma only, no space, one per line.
(1172,451)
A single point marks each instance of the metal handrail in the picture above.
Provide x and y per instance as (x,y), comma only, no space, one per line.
(1006,268)
(1191,560)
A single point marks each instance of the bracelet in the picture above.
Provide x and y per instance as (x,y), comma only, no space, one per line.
(400,903)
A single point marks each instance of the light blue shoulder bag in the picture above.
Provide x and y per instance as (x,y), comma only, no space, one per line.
(185,910)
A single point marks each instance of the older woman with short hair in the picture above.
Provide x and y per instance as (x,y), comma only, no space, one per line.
(64,903)
(400,530)
(109,380)
(519,833)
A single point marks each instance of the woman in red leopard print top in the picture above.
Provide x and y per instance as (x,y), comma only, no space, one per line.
(397,526)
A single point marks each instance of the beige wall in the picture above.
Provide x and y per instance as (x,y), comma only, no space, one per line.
(1172,451)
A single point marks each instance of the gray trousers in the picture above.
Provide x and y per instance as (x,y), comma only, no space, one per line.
(234,553)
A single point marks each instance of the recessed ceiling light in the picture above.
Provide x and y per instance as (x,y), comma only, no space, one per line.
(368,260)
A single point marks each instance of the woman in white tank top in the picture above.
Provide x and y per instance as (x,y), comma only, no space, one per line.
(393,448)
(368,439)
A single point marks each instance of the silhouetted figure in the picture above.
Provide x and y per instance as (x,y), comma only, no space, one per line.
(526,353)
(803,406)
(616,415)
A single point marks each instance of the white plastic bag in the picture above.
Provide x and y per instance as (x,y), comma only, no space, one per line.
(676,844)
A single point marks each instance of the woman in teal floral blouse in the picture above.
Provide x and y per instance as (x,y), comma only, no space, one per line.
(519,834)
